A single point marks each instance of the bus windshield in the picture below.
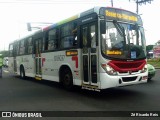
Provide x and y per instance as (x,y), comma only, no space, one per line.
(123,41)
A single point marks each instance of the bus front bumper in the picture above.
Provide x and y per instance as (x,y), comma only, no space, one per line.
(108,81)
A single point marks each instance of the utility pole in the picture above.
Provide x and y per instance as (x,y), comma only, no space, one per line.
(29,26)
(137,7)
(140,2)
(112,3)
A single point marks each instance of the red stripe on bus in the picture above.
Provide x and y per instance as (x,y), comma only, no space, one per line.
(123,66)
(43,60)
(75,58)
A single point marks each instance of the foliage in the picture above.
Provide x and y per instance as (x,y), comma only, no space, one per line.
(4,53)
(149,47)
(155,62)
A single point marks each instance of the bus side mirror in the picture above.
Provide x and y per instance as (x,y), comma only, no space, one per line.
(103,27)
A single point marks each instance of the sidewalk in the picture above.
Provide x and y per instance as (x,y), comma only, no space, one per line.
(157,67)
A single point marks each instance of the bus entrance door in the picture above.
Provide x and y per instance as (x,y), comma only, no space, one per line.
(89,56)
(38,66)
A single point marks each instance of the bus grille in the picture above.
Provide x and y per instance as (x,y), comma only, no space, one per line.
(128,72)
(125,66)
(128,79)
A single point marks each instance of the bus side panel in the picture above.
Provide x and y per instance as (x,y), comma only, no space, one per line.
(27,61)
(52,61)
(49,66)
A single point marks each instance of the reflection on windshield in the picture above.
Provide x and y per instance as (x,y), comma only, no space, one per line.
(123,41)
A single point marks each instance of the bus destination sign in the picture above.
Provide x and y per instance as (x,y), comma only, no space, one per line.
(121,15)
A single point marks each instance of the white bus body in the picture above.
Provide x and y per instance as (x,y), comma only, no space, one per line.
(92,63)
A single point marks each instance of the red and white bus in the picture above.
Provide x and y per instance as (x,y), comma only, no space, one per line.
(97,49)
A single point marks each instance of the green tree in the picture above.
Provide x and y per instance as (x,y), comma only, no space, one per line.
(4,53)
(149,47)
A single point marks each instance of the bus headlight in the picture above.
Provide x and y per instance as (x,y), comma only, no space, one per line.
(144,69)
(109,70)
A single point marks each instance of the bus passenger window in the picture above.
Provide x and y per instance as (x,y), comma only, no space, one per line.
(51,45)
(17,48)
(68,41)
(52,39)
(22,47)
(74,32)
(69,35)
(11,50)
(30,45)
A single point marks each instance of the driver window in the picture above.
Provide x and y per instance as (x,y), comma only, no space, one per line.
(114,39)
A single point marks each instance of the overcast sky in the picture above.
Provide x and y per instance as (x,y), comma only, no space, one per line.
(16,13)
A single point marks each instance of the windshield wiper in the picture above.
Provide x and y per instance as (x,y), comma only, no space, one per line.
(121,31)
(119,28)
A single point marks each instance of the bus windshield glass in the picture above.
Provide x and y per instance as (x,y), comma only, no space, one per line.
(123,41)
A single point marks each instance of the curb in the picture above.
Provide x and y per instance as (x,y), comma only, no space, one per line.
(157,68)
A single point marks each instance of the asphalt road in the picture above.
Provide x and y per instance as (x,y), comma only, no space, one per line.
(31,95)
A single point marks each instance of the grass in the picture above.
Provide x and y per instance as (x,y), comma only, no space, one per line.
(154,62)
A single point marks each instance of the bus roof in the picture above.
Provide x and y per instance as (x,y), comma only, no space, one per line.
(82,14)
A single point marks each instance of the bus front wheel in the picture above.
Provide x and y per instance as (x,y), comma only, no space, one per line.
(67,79)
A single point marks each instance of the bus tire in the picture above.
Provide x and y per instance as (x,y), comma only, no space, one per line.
(67,79)
(22,72)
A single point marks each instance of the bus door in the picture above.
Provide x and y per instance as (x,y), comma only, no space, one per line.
(15,47)
(12,52)
(89,54)
(14,64)
(38,65)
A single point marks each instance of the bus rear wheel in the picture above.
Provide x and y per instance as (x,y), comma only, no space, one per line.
(22,72)
(67,79)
